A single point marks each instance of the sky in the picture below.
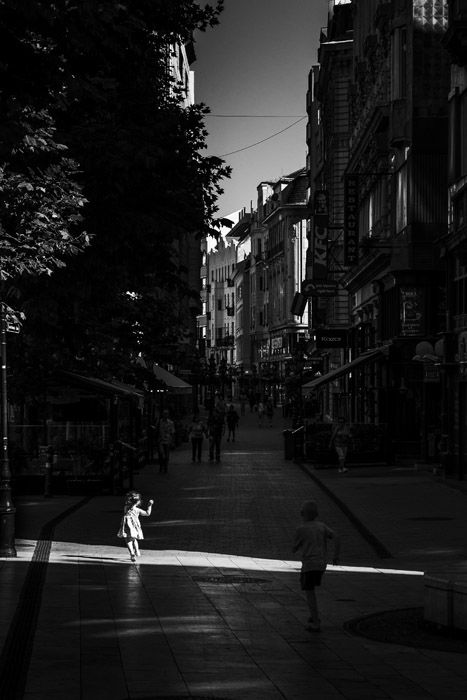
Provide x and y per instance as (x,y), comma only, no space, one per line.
(256,62)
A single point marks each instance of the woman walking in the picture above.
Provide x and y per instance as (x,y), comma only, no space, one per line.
(196,432)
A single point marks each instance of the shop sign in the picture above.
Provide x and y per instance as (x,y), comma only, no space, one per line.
(332,338)
(276,345)
(320,234)
(412,311)
(431,373)
(319,288)
(351,220)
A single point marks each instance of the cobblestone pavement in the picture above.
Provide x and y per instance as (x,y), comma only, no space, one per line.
(213,608)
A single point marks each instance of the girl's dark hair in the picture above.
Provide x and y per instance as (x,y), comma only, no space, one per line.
(132,497)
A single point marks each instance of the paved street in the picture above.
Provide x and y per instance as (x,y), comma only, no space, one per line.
(213,609)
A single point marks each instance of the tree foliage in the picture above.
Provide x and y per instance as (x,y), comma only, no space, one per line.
(101,158)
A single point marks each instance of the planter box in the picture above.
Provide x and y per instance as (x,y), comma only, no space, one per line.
(437,600)
(459,605)
(445,601)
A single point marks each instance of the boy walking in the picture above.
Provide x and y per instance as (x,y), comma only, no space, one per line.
(311,538)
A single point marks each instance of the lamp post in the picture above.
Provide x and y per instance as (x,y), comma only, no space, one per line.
(7,509)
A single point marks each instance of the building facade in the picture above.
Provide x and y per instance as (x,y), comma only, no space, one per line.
(394,211)
(249,278)
(453,248)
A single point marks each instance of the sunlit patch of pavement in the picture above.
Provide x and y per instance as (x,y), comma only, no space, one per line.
(67,553)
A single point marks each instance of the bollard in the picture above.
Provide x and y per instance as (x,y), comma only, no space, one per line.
(298,437)
(48,473)
(288,444)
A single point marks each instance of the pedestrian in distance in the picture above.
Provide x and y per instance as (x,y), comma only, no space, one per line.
(165,440)
(232,422)
(196,433)
(219,403)
(269,411)
(260,414)
(242,403)
(340,438)
(311,538)
(130,527)
(216,427)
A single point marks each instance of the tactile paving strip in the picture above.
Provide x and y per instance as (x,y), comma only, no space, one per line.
(16,654)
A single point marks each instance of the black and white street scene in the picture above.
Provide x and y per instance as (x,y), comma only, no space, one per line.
(233,338)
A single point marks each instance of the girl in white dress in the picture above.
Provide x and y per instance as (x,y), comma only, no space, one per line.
(130,528)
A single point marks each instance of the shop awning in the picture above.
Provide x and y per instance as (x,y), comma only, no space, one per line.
(368,356)
(103,387)
(173,383)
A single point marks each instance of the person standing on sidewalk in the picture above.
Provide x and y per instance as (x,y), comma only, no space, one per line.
(196,432)
(215,430)
(242,403)
(340,438)
(311,538)
(232,422)
(269,411)
(165,439)
(260,414)
(130,527)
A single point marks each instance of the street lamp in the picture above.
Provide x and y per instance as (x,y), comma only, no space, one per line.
(7,509)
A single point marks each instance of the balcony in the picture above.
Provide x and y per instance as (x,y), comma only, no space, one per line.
(276,250)
(226,341)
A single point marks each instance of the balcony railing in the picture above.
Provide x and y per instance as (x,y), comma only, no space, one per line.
(227,340)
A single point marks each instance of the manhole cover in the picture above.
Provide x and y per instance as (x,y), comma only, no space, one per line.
(228,579)
(432,518)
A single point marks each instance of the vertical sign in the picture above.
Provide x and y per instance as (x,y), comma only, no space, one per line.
(351,220)
(412,311)
(320,234)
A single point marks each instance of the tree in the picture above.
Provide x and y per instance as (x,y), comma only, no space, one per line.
(126,166)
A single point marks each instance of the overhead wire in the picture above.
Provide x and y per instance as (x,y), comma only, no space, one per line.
(256,116)
(251,145)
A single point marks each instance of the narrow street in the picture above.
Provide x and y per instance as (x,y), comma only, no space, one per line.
(213,609)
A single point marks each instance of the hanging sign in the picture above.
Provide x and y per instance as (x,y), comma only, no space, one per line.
(351,220)
(320,234)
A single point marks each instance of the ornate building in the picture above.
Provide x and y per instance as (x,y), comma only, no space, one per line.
(394,211)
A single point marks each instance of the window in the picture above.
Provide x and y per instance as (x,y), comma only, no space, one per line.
(459,210)
(219,304)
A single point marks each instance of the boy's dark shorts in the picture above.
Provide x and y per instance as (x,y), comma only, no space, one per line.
(310,579)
